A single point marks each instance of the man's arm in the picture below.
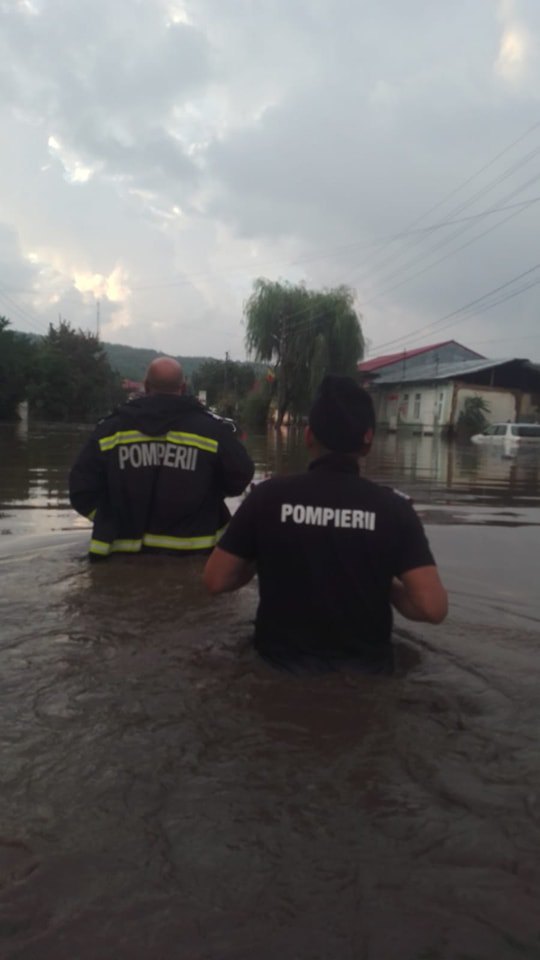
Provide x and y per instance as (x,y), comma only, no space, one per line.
(235,466)
(225,572)
(87,479)
(232,564)
(419,595)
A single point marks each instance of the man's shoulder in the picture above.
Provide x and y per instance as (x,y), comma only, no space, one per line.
(293,482)
(393,501)
(386,492)
(206,420)
(276,486)
(110,422)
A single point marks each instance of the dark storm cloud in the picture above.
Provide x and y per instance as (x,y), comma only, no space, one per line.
(177,141)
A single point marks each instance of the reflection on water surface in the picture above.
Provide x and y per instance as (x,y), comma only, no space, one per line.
(165,794)
(34,465)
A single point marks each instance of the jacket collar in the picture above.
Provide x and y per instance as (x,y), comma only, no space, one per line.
(337,462)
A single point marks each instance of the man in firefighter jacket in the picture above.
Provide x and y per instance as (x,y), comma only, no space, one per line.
(154,474)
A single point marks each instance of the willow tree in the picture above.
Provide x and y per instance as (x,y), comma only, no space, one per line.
(304,334)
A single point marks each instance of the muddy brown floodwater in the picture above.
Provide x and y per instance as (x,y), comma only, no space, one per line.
(165,794)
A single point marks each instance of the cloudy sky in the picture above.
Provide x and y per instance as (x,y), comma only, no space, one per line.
(158,155)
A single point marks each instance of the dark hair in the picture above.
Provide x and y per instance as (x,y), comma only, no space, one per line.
(341,414)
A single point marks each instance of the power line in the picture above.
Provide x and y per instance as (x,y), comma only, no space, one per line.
(466,309)
(303,324)
(381,243)
(527,336)
(35,323)
(411,229)
(522,161)
(490,306)
(522,205)
(407,279)
(413,334)
(473,176)
(403,234)
(458,249)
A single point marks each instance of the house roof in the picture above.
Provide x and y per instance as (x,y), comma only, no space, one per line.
(368,366)
(443,371)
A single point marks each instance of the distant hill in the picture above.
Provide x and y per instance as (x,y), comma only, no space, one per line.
(131,362)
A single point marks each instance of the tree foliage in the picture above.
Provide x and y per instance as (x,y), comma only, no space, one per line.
(226,382)
(304,334)
(63,376)
(472,418)
(73,379)
(132,362)
(17,357)
(254,407)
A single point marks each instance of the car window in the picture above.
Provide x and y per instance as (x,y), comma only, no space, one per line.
(528,430)
(489,432)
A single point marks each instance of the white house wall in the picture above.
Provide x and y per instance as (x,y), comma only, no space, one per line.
(530,406)
(428,408)
(418,407)
(501,403)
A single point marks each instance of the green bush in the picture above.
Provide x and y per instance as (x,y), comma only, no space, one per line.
(472,418)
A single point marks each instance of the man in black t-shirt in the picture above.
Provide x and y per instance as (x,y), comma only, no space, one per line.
(332,550)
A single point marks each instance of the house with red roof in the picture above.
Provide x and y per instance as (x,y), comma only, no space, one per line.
(425,389)
(449,351)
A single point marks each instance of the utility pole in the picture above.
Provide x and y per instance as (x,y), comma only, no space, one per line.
(98,318)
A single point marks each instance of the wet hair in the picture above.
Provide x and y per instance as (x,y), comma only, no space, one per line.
(341,414)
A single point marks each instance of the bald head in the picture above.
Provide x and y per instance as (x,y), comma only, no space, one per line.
(164,375)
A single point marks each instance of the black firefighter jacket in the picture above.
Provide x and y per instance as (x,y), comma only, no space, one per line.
(153,475)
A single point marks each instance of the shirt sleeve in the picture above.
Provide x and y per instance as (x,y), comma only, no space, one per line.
(87,478)
(240,537)
(235,466)
(412,546)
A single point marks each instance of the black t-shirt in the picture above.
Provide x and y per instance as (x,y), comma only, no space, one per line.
(327,544)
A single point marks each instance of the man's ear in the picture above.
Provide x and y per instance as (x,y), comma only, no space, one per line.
(368,440)
(309,438)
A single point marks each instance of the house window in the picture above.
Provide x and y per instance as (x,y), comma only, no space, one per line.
(440,406)
(404,406)
(417,400)
(391,405)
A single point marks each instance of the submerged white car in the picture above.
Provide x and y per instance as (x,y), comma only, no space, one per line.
(509,433)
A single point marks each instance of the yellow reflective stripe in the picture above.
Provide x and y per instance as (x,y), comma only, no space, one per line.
(92,515)
(173,436)
(155,540)
(192,440)
(117,546)
(182,543)
(126,546)
(121,436)
(99,546)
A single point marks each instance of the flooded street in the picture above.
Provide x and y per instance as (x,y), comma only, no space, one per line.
(166,794)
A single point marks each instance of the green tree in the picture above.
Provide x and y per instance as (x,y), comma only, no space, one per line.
(227,383)
(74,380)
(254,407)
(304,334)
(472,418)
(17,356)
